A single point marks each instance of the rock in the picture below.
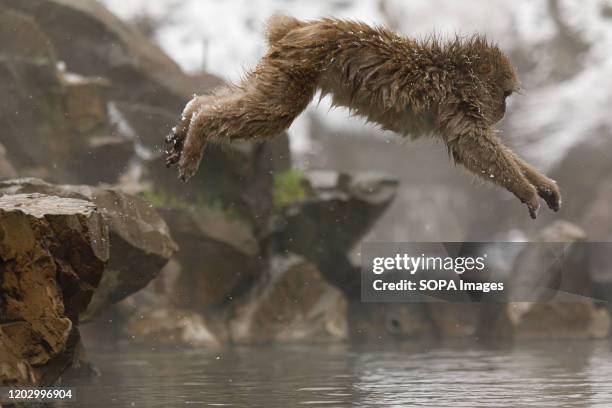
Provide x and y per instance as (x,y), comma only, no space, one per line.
(171,327)
(557,320)
(455,320)
(558,301)
(591,160)
(107,148)
(21,37)
(323,225)
(219,257)
(86,101)
(124,56)
(53,120)
(151,317)
(293,303)
(336,212)
(389,322)
(597,219)
(35,131)
(554,266)
(53,252)
(94,43)
(562,231)
(148,317)
(140,240)
(237,178)
(7,171)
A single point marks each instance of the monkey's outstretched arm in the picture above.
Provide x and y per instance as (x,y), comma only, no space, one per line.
(484,155)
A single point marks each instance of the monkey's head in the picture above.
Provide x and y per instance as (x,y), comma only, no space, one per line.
(497,79)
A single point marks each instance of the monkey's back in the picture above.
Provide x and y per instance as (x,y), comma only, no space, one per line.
(389,79)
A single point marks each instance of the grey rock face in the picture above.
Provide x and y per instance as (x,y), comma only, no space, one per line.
(55,124)
(563,307)
(293,303)
(219,257)
(338,210)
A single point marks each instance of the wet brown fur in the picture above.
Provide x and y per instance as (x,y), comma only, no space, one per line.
(454,89)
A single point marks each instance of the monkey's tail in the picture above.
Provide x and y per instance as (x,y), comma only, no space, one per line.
(279,26)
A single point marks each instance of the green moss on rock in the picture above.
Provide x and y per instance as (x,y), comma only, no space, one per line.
(289,187)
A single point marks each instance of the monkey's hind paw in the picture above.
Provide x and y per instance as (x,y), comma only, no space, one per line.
(175,151)
(188,164)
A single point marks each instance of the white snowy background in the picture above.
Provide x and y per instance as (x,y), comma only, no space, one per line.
(225,37)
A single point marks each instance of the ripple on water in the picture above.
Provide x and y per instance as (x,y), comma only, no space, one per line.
(533,375)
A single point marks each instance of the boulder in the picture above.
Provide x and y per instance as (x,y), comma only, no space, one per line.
(172,327)
(323,215)
(558,302)
(22,38)
(591,161)
(152,316)
(455,320)
(219,257)
(166,326)
(375,322)
(291,304)
(558,320)
(55,123)
(334,213)
(140,240)
(86,101)
(93,42)
(105,159)
(597,219)
(35,131)
(52,256)
(106,148)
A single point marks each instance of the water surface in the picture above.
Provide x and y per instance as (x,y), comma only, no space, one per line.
(530,375)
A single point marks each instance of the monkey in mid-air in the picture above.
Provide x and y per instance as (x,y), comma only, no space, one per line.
(456,90)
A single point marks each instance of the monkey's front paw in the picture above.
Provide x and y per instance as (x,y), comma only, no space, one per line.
(549,191)
(533,204)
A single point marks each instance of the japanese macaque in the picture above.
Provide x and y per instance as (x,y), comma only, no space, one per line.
(456,90)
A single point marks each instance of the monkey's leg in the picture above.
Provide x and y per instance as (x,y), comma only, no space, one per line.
(485,156)
(263,106)
(547,188)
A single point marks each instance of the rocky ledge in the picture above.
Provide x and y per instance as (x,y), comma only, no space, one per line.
(53,252)
(66,253)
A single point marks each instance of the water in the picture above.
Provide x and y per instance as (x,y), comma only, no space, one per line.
(530,375)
